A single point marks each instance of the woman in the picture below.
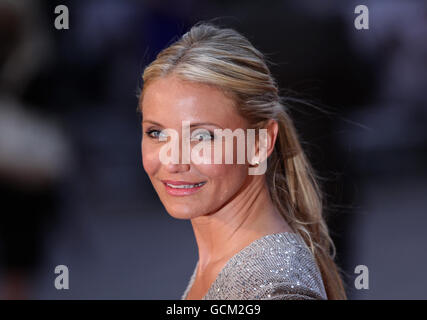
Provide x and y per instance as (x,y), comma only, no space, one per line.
(259,236)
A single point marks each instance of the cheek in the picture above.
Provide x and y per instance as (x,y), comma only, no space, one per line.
(150,158)
(226,177)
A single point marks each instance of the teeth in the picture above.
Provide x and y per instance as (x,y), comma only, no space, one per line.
(186,186)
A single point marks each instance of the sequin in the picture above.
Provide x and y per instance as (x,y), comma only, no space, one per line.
(277,266)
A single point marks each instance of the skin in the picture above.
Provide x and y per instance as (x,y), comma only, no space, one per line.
(233,208)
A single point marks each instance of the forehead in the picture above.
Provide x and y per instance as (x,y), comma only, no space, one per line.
(171,100)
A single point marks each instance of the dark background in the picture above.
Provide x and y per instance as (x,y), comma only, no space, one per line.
(73,190)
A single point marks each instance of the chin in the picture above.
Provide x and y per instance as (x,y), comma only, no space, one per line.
(183,212)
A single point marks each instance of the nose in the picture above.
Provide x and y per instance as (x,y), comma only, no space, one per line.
(178,158)
(177,167)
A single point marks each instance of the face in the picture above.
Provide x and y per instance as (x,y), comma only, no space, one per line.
(190,190)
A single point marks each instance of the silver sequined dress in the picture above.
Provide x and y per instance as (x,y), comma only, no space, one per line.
(278,266)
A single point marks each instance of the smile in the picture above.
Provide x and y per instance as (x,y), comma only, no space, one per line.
(185,186)
(180,188)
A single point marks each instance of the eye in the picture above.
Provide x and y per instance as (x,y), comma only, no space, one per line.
(155,134)
(201,135)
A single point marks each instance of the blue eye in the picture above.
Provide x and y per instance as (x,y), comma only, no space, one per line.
(202,135)
(155,134)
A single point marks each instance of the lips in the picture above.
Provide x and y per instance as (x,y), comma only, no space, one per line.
(182,188)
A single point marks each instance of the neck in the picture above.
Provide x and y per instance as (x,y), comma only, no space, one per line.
(248,216)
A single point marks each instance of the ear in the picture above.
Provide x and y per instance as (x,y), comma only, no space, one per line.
(272,128)
(264,146)
(272,132)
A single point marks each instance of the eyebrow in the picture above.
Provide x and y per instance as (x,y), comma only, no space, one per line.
(195,124)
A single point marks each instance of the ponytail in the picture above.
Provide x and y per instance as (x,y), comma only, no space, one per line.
(296,194)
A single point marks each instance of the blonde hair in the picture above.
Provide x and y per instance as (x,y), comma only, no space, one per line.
(224,58)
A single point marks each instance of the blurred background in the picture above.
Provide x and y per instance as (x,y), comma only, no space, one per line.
(73,190)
